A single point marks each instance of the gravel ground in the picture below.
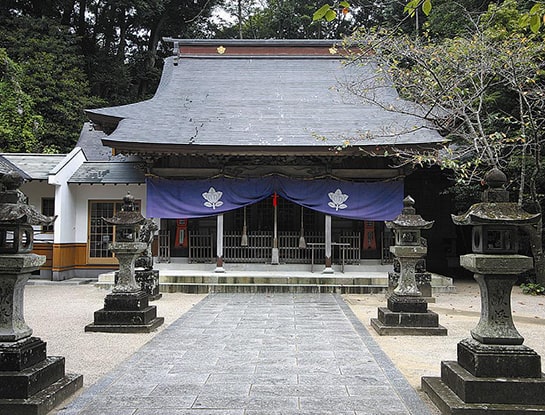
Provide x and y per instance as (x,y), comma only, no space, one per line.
(417,356)
(58,314)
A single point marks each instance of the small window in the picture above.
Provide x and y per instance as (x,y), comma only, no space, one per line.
(48,209)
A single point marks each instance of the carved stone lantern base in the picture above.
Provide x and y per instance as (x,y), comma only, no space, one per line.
(496,379)
(148,281)
(31,383)
(407,315)
(126,312)
(494,370)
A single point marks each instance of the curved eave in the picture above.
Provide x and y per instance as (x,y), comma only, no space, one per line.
(409,223)
(319,150)
(107,123)
(503,213)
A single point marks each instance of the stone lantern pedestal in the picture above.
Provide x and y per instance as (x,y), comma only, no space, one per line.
(407,312)
(494,372)
(31,383)
(126,308)
(422,277)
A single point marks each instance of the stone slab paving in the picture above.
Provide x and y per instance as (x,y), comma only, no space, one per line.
(256,354)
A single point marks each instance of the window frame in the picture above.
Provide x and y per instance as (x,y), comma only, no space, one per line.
(50,212)
(110,230)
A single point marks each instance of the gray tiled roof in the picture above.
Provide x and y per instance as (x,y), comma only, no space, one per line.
(35,166)
(90,142)
(108,172)
(261,101)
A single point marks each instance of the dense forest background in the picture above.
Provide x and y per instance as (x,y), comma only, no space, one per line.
(62,56)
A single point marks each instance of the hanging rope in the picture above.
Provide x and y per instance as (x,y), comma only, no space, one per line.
(244,238)
(302,242)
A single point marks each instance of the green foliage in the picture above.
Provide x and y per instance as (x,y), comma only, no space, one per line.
(534,18)
(52,74)
(532,288)
(450,19)
(482,93)
(329,12)
(20,126)
(412,7)
(295,19)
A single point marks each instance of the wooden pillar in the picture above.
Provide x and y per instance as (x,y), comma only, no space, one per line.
(219,243)
(328,251)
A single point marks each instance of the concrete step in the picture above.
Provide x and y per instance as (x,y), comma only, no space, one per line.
(196,281)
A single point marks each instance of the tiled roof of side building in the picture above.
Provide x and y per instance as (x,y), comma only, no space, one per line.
(34,166)
(108,172)
(208,100)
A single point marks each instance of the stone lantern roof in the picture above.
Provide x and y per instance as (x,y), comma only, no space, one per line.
(14,207)
(409,219)
(128,216)
(495,207)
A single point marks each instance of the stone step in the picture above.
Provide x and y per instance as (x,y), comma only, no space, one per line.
(197,281)
(265,288)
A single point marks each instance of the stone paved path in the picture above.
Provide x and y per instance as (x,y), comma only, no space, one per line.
(250,354)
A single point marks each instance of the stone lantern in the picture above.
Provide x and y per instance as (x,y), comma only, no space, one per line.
(407,311)
(408,246)
(30,381)
(126,308)
(17,217)
(127,246)
(494,369)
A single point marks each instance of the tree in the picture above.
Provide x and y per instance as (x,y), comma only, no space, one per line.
(484,92)
(20,126)
(293,19)
(52,74)
(531,16)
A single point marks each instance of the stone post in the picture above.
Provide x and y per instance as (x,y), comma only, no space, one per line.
(126,308)
(407,312)
(31,383)
(494,371)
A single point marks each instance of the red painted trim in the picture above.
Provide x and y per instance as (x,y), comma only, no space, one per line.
(230,50)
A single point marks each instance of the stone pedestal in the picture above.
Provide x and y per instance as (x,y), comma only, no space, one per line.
(125,312)
(31,383)
(407,316)
(126,308)
(494,371)
(407,312)
(495,379)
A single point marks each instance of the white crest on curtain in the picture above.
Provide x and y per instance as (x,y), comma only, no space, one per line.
(337,200)
(212,198)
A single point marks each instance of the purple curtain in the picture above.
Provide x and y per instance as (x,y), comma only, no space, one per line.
(377,201)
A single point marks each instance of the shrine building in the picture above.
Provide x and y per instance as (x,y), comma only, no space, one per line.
(250,151)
